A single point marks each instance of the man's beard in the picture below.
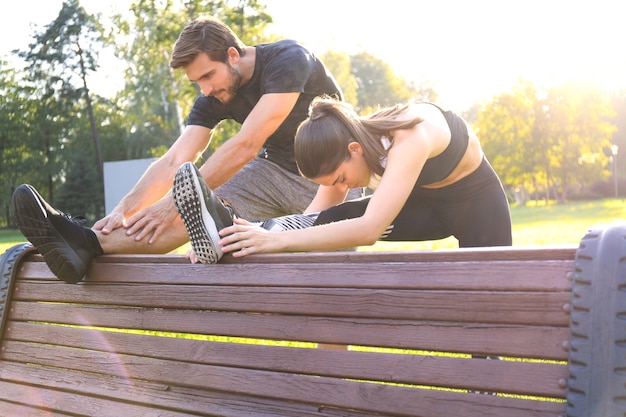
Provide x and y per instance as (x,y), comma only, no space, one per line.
(234,83)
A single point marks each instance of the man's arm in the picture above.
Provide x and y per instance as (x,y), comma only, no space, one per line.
(156,182)
(228,159)
(268,114)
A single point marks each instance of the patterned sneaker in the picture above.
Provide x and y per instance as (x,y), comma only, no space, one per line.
(67,246)
(202,212)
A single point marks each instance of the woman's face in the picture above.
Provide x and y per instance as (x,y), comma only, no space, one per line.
(351,173)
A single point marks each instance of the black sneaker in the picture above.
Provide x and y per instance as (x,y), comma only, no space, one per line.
(63,241)
(202,212)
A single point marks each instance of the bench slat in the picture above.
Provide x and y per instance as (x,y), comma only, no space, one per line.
(461,306)
(485,254)
(76,404)
(12,409)
(331,392)
(511,275)
(505,376)
(187,400)
(506,340)
(500,275)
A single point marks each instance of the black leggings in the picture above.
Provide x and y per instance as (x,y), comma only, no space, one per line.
(474,210)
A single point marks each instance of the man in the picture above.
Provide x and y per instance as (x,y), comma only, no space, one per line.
(266,88)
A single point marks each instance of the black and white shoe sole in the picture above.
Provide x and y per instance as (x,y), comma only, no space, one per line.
(190,203)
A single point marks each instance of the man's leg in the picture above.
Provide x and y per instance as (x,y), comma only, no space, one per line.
(68,246)
(262,190)
(118,242)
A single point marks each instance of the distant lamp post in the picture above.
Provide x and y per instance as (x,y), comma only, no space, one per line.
(614,149)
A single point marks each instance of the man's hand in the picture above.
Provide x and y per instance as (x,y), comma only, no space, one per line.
(152,220)
(109,223)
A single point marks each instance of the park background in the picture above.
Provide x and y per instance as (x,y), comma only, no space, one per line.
(84,82)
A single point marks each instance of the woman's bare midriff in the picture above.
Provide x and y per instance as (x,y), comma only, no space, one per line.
(470,162)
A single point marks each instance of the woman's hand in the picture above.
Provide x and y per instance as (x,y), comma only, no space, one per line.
(244,238)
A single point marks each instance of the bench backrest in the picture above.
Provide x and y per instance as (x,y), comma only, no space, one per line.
(343,333)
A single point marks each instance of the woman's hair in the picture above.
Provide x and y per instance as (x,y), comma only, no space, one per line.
(321,143)
(208,35)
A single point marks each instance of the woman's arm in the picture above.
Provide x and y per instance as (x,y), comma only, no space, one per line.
(405,160)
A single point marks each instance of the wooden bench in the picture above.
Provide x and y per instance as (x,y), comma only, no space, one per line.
(321,334)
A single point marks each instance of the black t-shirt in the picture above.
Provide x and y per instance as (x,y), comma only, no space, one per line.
(280,67)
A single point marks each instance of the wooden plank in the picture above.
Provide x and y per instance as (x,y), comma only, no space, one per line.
(462,306)
(323,391)
(538,275)
(205,401)
(542,342)
(71,403)
(499,275)
(525,378)
(18,410)
(486,254)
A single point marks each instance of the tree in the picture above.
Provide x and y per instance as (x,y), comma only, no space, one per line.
(59,62)
(619,136)
(339,65)
(504,126)
(157,97)
(549,141)
(573,128)
(377,84)
(15,114)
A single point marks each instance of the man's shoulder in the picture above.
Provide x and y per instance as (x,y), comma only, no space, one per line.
(282,47)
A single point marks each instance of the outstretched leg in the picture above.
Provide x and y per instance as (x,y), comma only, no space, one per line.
(290,222)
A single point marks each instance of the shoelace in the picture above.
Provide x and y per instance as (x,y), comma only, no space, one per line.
(77,220)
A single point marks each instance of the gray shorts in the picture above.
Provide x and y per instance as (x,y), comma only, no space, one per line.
(262,190)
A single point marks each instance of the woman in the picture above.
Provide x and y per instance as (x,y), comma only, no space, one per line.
(429,176)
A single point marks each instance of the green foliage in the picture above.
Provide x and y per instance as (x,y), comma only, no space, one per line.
(340,67)
(157,97)
(377,84)
(80,194)
(15,154)
(547,142)
(56,103)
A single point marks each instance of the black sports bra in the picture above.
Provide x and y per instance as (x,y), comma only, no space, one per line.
(439,167)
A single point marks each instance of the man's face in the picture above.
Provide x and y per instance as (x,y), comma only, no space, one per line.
(217,79)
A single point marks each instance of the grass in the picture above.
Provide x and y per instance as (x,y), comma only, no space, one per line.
(533,224)
(539,224)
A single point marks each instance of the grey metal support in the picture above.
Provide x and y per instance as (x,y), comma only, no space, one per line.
(9,259)
(597,353)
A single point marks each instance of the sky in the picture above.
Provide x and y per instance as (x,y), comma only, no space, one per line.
(468,51)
